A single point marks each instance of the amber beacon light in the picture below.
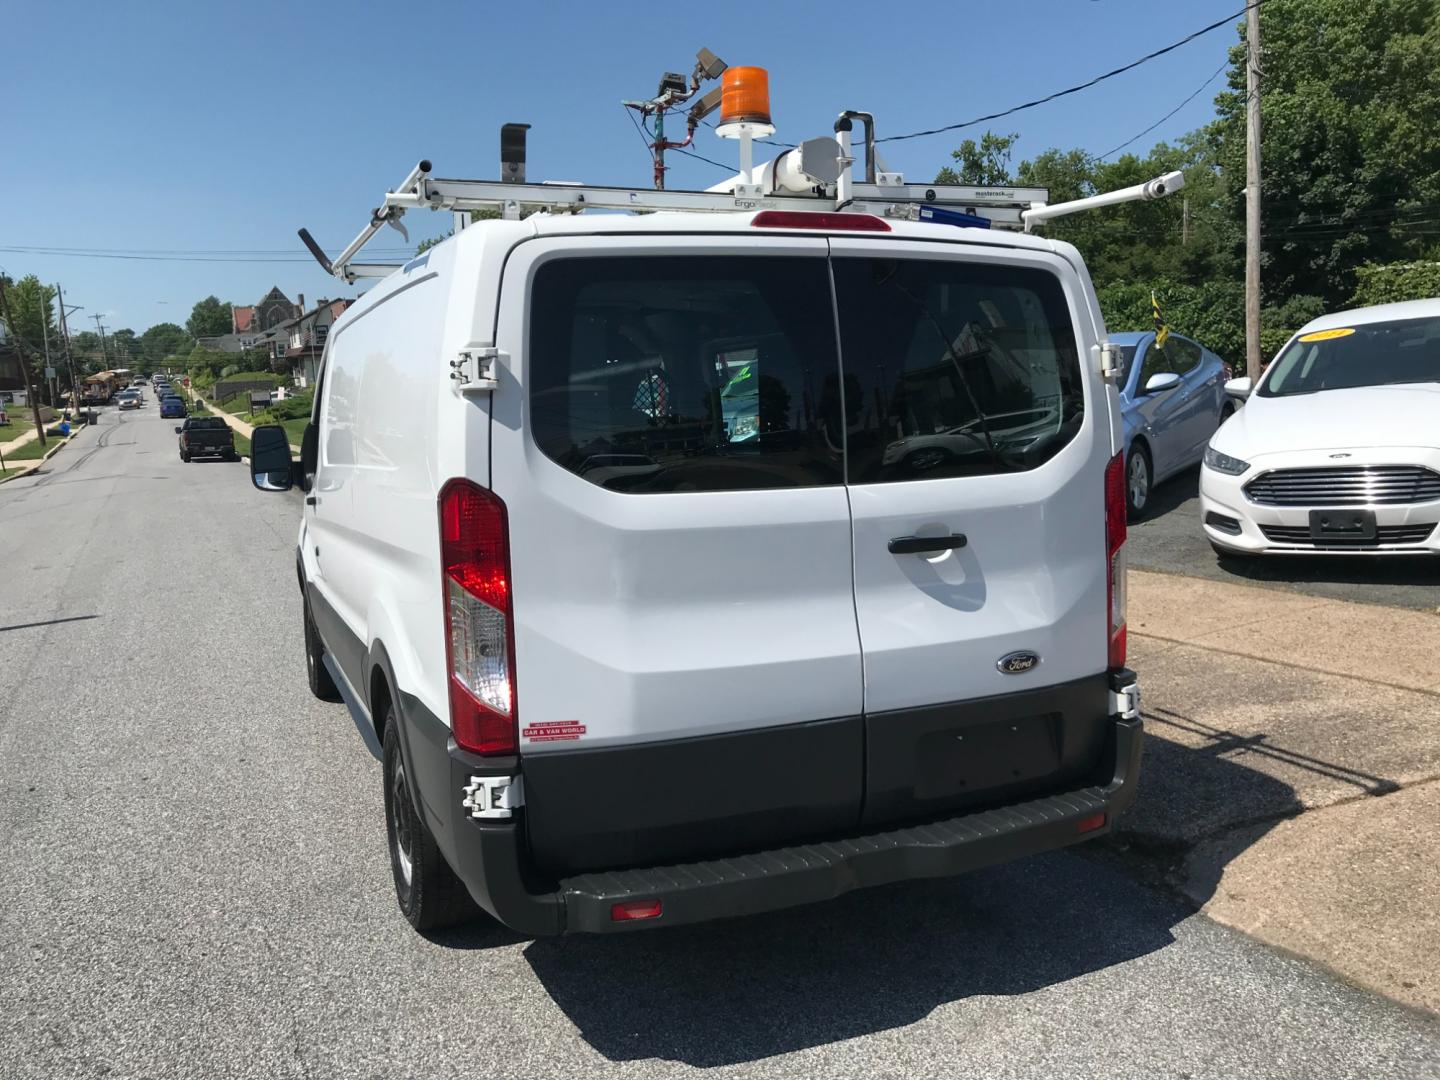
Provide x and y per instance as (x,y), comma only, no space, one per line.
(745,100)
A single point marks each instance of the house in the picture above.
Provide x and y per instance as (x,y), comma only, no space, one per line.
(12,380)
(297,345)
(250,324)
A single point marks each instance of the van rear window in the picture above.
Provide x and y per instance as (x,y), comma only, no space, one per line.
(954,368)
(715,373)
(686,373)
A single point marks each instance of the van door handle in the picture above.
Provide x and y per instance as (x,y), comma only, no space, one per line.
(311,500)
(923,545)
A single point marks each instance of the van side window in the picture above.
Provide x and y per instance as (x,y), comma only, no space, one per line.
(954,368)
(686,373)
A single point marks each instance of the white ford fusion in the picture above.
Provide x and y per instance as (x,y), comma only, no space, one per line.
(1338,446)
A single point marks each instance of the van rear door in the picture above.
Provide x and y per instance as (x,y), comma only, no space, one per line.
(977,445)
(670,452)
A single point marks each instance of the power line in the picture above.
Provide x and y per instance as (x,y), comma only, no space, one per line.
(1228,20)
(1168,115)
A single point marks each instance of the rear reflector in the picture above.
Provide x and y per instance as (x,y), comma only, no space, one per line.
(1090,824)
(804,219)
(635,909)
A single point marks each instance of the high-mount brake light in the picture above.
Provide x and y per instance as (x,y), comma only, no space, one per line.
(805,219)
(479,622)
(1115,557)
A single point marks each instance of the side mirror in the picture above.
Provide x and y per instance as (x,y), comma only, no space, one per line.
(1238,388)
(178,430)
(1165,380)
(270,466)
(309,455)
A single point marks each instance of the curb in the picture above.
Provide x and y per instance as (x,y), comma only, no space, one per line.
(35,463)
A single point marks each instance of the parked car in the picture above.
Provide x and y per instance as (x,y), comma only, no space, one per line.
(1172,400)
(172,405)
(1337,449)
(206,436)
(128,399)
(746,642)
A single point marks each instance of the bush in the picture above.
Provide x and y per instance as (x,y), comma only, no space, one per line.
(1392,282)
(293,408)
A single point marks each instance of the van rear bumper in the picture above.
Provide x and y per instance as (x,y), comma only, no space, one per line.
(489,858)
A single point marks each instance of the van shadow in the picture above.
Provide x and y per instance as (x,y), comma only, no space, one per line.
(872,961)
(1208,785)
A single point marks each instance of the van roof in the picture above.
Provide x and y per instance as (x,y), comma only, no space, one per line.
(678,222)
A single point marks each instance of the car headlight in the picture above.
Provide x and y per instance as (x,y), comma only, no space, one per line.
(1230,466)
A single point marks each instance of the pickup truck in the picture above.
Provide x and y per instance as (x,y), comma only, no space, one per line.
(206,436)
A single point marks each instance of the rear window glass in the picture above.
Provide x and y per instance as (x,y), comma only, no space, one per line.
(687,373)
(206,422)
(954,368)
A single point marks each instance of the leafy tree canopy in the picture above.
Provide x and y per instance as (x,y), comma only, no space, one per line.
(32,309)
(209,318)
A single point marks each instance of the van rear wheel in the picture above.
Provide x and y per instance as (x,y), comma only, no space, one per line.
(428,892)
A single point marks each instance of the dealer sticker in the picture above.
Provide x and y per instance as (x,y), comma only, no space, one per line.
(557,731)
(1327,335)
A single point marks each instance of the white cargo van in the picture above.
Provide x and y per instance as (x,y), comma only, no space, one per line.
(691,565)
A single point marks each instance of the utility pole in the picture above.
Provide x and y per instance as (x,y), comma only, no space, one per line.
(104,353)
(69,355)
(45,337)
(1185,221)
(1252,191)
(30,387)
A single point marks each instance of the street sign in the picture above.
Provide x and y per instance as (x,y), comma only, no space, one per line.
(49,373)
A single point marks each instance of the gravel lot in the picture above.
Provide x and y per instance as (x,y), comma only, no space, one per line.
(197,884)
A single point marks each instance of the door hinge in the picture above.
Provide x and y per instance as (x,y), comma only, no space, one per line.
(493,797)
(1112,360)
(477,368)
(1125,702)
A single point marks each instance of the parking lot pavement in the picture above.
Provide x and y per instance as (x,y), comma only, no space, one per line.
(1170,540)
(197,883)
(1287,791)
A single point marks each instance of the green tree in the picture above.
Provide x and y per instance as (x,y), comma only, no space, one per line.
(475,215)
(1396,281)
(986,164)
(32,307)
(1350,103)
(125,348)
(209,318)
(162,340)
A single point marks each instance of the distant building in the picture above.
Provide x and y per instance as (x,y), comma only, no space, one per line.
(296,346)
(249,324)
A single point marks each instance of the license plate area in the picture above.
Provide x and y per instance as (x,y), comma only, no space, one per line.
(1342,525)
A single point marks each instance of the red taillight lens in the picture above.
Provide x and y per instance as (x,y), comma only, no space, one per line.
(805,219)
(1115,561)
(635,909)
(1090,823)
(479,625)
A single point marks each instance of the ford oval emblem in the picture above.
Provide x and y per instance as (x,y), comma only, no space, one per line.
(1016,663)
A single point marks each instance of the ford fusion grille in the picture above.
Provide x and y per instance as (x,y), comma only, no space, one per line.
(1385,534)
(1353,485)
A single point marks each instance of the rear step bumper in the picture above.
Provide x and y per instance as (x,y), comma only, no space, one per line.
(488,858)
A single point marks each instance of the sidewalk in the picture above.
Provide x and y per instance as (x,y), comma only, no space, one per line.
(1288,788)
(15,444)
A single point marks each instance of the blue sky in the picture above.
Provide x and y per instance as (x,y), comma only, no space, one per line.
(200,127)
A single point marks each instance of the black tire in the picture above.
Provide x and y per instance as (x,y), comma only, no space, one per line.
(321,684)
(184,457)
(1226,411)
(1136,503)
(232,455)
(428,892)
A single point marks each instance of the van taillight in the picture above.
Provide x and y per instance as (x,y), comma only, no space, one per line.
(479,623)
(1115,561)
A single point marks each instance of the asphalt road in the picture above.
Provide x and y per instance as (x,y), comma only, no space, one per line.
(196,882)
(1170,540)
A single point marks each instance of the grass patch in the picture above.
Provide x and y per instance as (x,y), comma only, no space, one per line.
(242,444)
(18,426)
(31,450)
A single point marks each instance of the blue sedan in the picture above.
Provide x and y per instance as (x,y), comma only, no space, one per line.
(174,405)
(1172,400)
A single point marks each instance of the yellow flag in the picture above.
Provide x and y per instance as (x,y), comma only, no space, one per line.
(1162,332)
